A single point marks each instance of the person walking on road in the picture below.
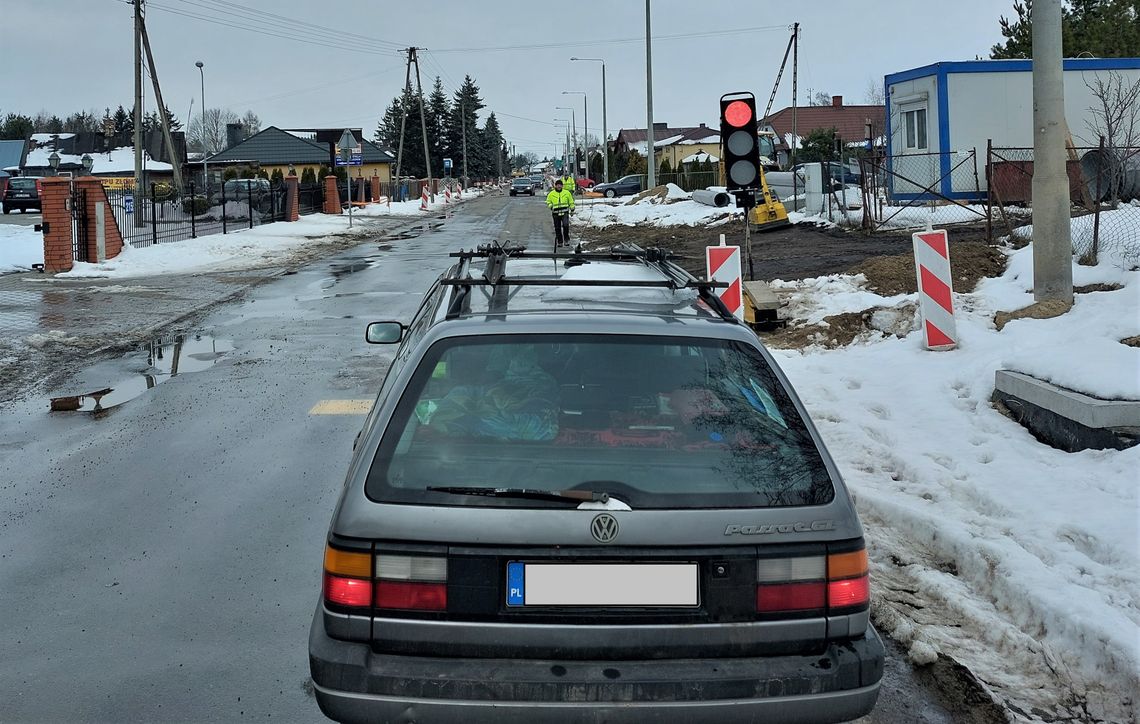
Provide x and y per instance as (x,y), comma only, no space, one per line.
(568,183)
(561,204)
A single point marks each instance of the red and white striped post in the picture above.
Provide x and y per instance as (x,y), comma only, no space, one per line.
(723,265)
(935,289)
(424,199)
(447,194)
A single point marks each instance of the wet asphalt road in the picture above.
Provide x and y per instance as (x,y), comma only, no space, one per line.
(161,561)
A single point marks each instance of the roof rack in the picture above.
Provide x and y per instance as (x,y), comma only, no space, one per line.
(495,274)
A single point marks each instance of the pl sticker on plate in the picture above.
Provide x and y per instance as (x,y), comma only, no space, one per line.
(516,580)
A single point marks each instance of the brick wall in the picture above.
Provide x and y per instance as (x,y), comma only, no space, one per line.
(332,196)
(292,198)
(56,192)
(113,239)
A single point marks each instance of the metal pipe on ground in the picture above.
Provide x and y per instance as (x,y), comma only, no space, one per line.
(1123,175)
(708,197)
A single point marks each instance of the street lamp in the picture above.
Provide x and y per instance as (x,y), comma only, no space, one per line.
(53,160)
(205,167)
(605,137)
(88,164)
(585,125)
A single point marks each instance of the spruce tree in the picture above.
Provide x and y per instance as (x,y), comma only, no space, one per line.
(437,109)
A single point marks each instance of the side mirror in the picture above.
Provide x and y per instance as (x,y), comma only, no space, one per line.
(384,332)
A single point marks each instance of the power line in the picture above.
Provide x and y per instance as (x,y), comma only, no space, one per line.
(284,21)
(611,41)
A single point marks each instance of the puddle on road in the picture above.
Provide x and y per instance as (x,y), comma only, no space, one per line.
(166,357)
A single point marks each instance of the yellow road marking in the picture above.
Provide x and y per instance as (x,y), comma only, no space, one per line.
(341,407)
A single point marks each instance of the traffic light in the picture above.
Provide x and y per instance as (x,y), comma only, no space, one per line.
(739,140)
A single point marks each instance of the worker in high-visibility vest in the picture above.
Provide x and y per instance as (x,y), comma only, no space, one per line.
(568,183)
(561,205)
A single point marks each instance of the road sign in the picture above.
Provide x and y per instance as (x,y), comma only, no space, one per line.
(348,151)
(447,164)
(129,203)
(723,265)
(935,289)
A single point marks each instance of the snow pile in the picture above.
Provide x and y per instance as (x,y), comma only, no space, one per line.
(1020,561)
(411,207)
(261,246)
(20,247)
(673,207)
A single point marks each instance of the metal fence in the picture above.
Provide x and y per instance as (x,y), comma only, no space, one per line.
(905,191)
(1104,199)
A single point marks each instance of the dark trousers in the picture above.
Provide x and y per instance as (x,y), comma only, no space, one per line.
(561,227)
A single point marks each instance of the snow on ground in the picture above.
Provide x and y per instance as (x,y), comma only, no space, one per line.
(412,206)
(674,208)
(268,245)
(20,247)
(1020,561)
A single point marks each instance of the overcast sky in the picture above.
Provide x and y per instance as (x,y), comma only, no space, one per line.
(66,55)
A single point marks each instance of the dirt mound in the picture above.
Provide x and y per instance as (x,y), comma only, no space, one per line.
(971,261)
(840,330)
(658,192)
(1131,341)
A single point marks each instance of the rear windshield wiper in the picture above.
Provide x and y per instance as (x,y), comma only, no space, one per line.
(577,496)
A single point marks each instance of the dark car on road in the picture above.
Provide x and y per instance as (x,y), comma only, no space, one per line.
(563,506)
(624,186)
(838,173)
(522,185)
(23,193)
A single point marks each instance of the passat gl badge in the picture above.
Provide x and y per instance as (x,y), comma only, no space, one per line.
(604,528)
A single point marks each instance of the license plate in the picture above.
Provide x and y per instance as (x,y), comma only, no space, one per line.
(18,195)
(602,584)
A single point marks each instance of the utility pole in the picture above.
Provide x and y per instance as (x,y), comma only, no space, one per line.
(164,122)
(403,117)
(138,213)
(463,127)
(649,100)
(1052,234)
(423,118)
(795,90)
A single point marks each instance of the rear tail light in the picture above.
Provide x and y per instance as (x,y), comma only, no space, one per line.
(355,579)
(348,578)
(411,582)
(833,583)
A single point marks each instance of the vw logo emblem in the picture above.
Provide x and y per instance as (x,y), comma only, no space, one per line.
(604,528)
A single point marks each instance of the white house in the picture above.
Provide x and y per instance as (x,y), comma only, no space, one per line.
(938,114)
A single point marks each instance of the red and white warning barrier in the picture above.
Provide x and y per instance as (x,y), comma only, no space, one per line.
(723,265)
(458,191)
(424,199)
(447,194)
(935,289)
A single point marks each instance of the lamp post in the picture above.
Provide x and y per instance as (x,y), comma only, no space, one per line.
(573,133)
(585,126)
(205,167)
(53,161)
(605,136)
(88,164)
(565,144)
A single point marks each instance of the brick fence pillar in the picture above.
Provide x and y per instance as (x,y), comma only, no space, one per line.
(113,240)
(375,188)
(292,199)
(332,196)
(55,196)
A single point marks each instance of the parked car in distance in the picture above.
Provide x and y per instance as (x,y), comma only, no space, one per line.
(23,193)
(837,173)
(539,182)
(564,507)
(584,183)
(522,185)
(624,186)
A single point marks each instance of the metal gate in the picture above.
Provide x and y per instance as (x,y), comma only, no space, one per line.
(79,223)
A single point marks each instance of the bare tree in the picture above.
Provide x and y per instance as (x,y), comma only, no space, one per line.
(1115,116)
(215,129)
(873,95)
(251,123)
(818,98)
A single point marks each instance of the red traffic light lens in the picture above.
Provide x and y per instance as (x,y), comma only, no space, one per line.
(737,114)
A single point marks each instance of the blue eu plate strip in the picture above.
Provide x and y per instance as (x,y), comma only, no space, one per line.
(516,580)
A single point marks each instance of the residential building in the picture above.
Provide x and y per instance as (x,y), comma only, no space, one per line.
(635,139)
(941,114)
(275,149)
(851,123)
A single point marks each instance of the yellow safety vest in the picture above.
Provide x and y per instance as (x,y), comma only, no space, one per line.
(568,184)
(560,201)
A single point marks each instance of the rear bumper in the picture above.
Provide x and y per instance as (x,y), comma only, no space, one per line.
(355,684)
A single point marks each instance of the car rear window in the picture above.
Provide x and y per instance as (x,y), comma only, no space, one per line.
(24,184)
(658,422)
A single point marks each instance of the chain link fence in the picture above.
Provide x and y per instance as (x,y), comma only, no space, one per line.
(1104,199)
(908,190)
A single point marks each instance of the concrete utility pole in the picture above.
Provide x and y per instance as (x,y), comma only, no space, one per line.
(423,118)
(649,100)
(138,213)
(795,91)
(1052,235)
(164,122)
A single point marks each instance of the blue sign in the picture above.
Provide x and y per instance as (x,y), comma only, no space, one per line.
(357,160)
(516,579)
(129,203)
(447,164)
